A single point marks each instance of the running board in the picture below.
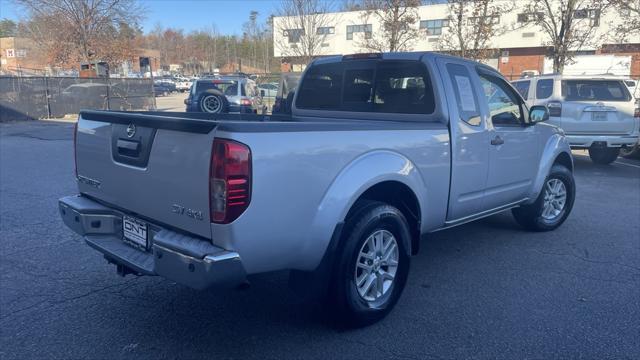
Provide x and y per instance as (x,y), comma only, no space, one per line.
(486,213)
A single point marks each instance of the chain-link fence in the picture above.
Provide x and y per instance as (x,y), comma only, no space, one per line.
(51,97)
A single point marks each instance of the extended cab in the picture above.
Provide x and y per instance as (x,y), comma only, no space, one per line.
(380,149)
(597,113)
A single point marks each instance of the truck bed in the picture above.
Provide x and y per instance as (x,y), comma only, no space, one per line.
(293,174)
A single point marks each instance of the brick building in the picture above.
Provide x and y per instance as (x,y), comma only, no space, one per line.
(516,51)
(21,56)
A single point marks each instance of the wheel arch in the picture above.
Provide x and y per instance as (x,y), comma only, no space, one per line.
(400,196)
(555,151)
(375,175)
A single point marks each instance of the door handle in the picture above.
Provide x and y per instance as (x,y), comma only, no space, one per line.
(497,140)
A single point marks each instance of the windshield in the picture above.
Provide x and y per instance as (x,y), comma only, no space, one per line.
(594,90)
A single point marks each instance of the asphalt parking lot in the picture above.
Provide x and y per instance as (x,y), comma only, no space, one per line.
(485,290)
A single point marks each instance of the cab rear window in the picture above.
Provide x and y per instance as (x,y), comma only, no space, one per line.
(390,86)
(594,90)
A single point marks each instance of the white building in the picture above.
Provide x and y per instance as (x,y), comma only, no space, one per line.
(519,49)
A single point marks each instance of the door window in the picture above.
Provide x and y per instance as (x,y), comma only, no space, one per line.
(504,106)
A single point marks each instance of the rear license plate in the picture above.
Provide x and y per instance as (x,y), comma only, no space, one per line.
(135,231)
(599,116)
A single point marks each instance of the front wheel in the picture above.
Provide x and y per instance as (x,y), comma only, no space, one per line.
(372,266)
(603,155)
(553,205)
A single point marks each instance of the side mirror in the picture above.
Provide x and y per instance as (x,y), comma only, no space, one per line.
(262,92)
(538,113)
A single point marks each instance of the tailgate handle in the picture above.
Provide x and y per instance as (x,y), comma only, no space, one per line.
(128,148)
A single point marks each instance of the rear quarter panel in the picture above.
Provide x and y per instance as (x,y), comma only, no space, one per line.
(305,183)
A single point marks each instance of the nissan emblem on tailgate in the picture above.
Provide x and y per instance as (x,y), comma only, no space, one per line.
(131,130)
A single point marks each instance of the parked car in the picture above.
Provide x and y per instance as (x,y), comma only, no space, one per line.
(225,94)
(183,84)
(379,150)
(596,112)
(161,89)
(268,89)
(167,83)
(286,90)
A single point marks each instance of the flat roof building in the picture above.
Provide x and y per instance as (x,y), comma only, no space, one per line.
(520,46)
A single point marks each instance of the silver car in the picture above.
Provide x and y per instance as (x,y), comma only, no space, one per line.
(596,112)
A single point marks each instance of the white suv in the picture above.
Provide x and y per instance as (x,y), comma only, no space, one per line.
(596,112)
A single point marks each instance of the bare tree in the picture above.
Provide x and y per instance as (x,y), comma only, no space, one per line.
(628,20)
(471,26)
(397,19)
(79,29)
(569,25)
(302,26)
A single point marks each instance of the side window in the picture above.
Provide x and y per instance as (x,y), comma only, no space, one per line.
(465,94)
(504,106)
(321,88)
(403,87)
(523,88)
(544,88)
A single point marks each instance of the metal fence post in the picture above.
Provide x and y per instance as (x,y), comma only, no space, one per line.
(47,96)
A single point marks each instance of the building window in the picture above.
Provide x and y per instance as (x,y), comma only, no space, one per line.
(326,30)
(529,17)
(434,27)
(367,29)
(492,19)
(293,35)
(592,14)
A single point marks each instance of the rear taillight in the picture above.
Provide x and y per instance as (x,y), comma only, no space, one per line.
(75,149)
(555,108)
(636,113)
(245,102)
(229,180)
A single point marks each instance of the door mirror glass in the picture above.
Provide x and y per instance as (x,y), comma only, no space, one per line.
(262,92)
(538,114)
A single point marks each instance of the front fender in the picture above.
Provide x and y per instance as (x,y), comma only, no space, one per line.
(556,144)
(353,180)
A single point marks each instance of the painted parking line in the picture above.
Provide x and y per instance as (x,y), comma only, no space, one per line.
(632,165)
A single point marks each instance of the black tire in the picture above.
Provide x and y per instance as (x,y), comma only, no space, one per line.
(631,152)
(204,104)
(350,308)
(531,216)
(603,155)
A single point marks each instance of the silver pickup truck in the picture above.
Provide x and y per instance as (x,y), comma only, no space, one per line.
(380,149)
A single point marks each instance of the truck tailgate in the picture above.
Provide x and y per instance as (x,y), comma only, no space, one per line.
(156,168)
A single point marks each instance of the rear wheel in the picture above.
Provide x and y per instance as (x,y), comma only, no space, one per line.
(603,155)
(372,266)
(553,205)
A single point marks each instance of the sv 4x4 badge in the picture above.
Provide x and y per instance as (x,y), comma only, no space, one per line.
(181,210)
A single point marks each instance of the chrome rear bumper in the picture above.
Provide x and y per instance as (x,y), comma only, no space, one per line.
(185,259)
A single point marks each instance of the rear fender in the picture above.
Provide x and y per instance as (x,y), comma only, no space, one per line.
(354,179)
